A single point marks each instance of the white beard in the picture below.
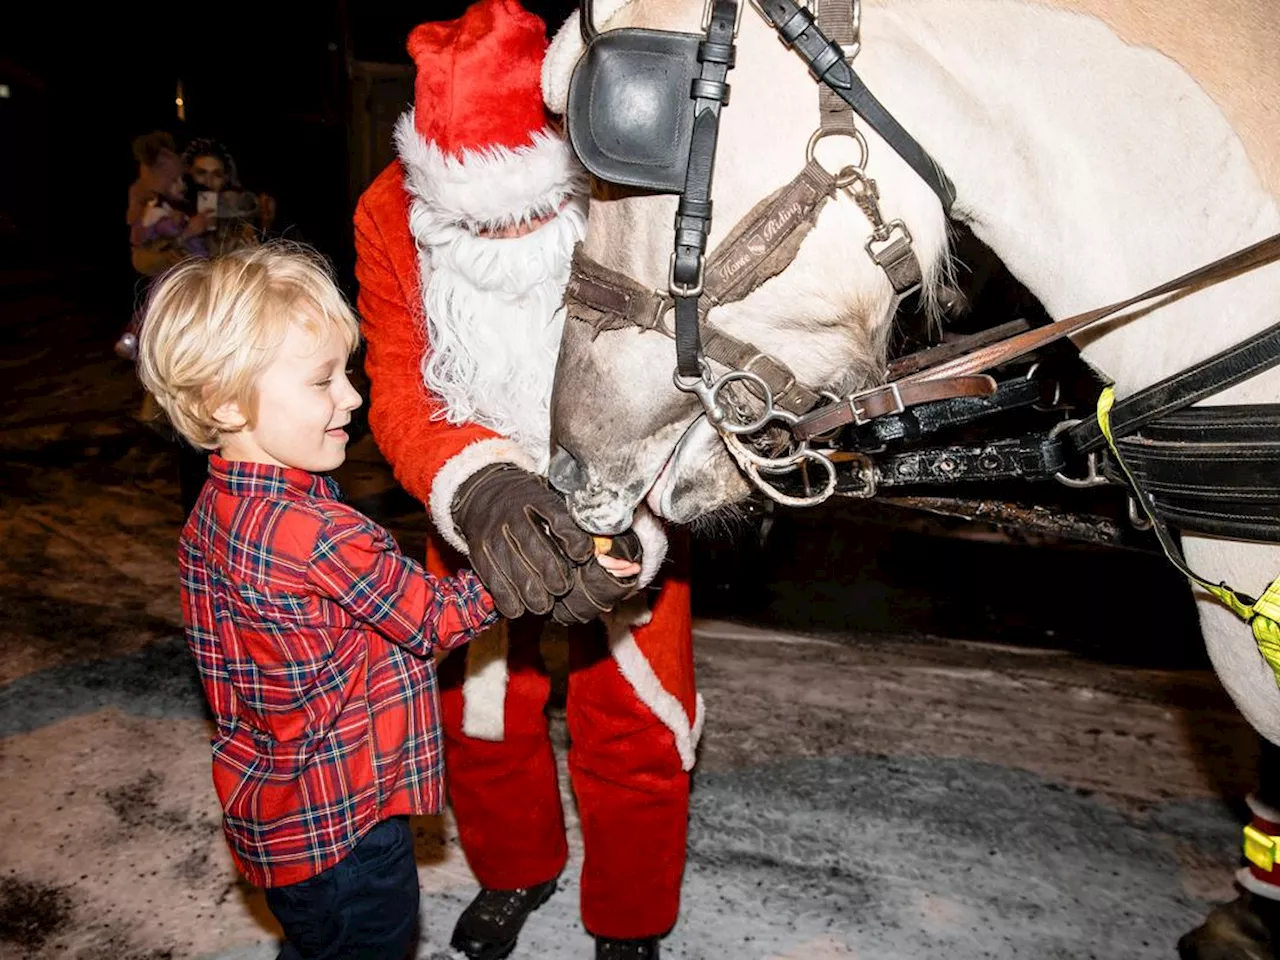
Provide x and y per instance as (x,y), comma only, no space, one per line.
(494,319)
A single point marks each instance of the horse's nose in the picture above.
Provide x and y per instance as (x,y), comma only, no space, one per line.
(565,472)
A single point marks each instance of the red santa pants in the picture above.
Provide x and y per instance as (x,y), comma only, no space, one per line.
(633,795)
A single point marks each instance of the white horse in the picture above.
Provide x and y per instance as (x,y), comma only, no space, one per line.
(1098,147)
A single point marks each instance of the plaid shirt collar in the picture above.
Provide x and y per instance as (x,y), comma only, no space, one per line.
(240,478)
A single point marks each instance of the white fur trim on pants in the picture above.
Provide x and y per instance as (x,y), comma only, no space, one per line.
(484,691)
(498,186)
(649,689)
(1246,879)
(457,469)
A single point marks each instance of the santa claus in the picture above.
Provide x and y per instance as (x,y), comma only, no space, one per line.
(463,248)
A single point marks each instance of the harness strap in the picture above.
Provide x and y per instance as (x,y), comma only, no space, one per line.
(959,370)
(1208,470)
(827,64)
(1032,457)
(932,356)
(927,418)
(1233,365)
(889,399)
(1254,255)
(836,19)
(1262,615)
(608,300)
(786,390)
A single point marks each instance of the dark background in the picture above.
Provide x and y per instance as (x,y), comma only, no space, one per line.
(278,81)
(305,94)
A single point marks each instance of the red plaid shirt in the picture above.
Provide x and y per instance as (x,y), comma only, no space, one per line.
(313,636)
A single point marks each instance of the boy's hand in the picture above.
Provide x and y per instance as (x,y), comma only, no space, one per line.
(600,584)
(620,569)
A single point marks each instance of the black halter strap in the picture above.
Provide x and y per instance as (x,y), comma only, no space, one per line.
(693,216)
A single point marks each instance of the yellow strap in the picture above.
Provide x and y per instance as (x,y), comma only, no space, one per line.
(1262,615)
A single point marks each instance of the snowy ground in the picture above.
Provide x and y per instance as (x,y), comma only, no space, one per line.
(862,791)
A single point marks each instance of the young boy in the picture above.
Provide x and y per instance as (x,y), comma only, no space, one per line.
(313,635)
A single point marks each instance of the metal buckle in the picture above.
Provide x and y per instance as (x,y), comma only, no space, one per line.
(894,390)
(1091,478)
(685,290)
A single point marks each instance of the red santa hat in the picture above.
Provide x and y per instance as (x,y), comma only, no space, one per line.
(477,147)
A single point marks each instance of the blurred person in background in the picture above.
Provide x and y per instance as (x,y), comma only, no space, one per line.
(238,216)
(164,230)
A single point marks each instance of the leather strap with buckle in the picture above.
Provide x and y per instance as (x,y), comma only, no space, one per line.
(889,398)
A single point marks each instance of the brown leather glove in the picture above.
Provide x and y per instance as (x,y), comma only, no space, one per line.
(595,590)
(529,552)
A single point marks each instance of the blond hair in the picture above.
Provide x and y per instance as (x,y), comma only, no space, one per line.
(212,326)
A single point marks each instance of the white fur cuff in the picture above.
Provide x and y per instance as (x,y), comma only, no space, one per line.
(1260,809)
(484,691)
(653,543)
(455,472)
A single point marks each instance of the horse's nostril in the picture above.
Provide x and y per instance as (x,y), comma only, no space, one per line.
(566,473)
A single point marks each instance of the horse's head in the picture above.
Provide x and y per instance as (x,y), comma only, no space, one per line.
(624,432)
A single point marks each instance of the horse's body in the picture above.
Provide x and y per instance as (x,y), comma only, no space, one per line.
(1093,168)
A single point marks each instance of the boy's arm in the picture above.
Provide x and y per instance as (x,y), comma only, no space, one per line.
(356,564)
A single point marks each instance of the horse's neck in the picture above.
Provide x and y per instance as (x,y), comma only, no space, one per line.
(1094,170)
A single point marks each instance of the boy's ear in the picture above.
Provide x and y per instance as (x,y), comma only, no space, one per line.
(229,417)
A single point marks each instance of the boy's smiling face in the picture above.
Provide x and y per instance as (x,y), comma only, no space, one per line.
(304,402)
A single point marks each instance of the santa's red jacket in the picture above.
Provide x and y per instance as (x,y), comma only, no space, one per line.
(651,642)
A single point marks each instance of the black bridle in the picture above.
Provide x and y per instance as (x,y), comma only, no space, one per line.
(708,94)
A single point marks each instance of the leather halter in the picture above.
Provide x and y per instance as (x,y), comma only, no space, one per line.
(643,147)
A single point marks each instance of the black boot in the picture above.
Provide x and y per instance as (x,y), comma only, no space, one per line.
(646,948)
(488,928)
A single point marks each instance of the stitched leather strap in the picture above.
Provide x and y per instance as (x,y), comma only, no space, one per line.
(1223,370)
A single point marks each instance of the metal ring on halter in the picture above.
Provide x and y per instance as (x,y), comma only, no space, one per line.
(753,426)
(842,179)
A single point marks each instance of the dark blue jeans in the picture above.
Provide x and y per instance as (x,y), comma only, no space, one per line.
(365,907)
